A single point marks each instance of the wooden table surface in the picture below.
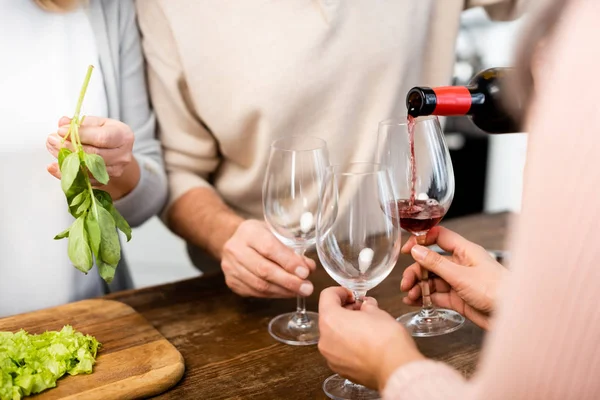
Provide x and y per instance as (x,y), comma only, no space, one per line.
(230,355)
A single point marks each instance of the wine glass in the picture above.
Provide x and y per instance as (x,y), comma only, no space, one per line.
(357,242)
(291,188)
(423,184)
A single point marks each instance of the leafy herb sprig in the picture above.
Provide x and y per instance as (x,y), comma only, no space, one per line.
(94,234)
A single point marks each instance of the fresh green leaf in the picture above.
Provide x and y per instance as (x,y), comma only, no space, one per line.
(107,203)
(62,154)
(69,171)
(103,197)
(63,234)
(106,271)
(84,206)
(79,198)
(110,248)
(79,249)
(97,167)
(79,185)
(93,231)
(121,222)
(30,364)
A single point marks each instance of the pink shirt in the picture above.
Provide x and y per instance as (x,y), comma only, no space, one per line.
(545,341)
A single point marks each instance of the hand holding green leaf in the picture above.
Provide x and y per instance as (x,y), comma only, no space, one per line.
(93,235)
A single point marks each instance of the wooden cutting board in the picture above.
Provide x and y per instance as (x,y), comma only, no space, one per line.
(135,360)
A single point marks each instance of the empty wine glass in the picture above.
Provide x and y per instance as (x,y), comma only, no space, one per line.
(291,188)
(357,242)
(423,184)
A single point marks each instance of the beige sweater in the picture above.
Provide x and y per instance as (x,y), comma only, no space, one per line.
(228,77)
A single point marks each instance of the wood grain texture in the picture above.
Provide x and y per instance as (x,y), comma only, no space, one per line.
(135,360)
(230,355)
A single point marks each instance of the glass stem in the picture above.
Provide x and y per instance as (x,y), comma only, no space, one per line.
(301,317)
(359,296)
(427,308)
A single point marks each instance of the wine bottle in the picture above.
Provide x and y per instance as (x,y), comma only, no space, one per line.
(482,100)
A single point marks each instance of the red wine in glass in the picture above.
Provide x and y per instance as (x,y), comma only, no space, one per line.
(421,216)
(412,209)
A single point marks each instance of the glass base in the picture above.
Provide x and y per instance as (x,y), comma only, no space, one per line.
(298,329)
(426,323)
(338,388)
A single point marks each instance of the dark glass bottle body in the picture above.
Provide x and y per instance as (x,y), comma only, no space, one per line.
(481,100)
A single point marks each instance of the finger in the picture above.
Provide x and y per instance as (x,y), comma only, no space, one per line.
(414,293)
(451,241)
(243,289)
(113,158)
(353,306)
(369,304)
(106,137)
(435,285)
(91,120)
(441,266)
(441,300)
(64,121)
(358,305)
(410,302)
(268,271)
(88,120)
(264,288)
(312,265)
(334,297)
(54,143)
(54,170)
(408,245)
(266,244)
(410,277)
(370,301)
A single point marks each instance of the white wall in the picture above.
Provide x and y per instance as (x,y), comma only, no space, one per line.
(155,255)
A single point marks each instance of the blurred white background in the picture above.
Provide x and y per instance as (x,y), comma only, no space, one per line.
(155,255)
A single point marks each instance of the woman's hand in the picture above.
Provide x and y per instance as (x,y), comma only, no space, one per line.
(110,139)
(466,282)
(361,342)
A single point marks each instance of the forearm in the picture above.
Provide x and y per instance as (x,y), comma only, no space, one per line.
(119,187)
(202,218)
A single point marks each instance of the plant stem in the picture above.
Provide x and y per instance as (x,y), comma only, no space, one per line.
(86,81)
(94,207)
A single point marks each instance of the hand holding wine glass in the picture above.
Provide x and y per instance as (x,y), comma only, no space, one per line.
(360,341)
(423,183)
(357,244)
(256,264)
(466,282)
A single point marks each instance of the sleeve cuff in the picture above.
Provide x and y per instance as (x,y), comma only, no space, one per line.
(424,380)
(149,195)
(180,183)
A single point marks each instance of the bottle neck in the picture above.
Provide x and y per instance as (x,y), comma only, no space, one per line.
(443,100)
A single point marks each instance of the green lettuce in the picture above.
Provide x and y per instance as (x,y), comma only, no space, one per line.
(30,364)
